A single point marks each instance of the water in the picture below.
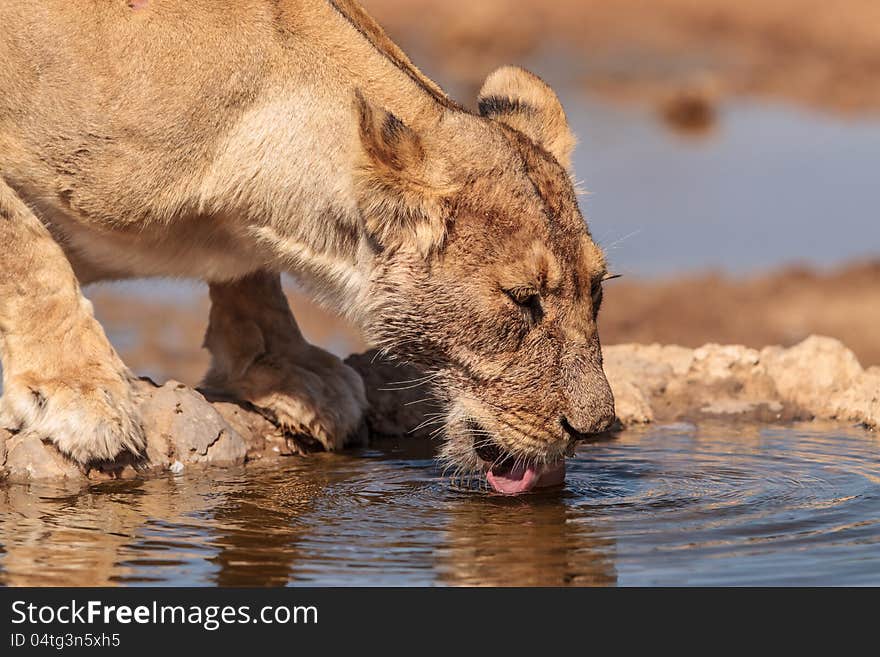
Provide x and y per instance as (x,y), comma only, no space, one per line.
(668,505)
(770,185)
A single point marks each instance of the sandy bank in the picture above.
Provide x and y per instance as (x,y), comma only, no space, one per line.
(818,378)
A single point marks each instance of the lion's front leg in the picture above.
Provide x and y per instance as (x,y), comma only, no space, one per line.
(61,378)
(260,356)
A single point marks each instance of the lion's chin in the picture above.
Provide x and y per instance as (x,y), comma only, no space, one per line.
(523,478)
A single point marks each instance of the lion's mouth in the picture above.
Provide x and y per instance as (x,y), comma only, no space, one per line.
(510,476)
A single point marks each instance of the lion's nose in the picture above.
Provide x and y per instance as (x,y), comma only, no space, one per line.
(602,423)
(590,404)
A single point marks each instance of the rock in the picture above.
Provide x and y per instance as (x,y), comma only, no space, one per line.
(181,425)
(755,411)
(4,436)
(30,459)
(723,380)
(811,374)
(630,403)
(818,378)
(715,362)
(262,438)
(691,110)
(649,367)
(679,383)
(860,401)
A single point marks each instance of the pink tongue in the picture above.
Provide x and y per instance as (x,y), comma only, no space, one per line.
(524,478)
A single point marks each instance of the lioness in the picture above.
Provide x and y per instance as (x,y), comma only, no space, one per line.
(233,141)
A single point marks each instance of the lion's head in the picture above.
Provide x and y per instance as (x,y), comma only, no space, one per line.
(487,276)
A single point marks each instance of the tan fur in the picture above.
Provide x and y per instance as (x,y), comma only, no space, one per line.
(232,141)
(260,355)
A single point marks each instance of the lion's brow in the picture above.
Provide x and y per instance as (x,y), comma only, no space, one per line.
(584,273)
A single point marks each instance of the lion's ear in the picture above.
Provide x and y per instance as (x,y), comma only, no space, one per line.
(403,189)
(526,103)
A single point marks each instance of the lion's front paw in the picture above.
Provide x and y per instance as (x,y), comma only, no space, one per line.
(317,397)
(90,418)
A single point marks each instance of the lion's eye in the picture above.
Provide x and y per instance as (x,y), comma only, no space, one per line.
(597,290)
(596,293)
(529,300)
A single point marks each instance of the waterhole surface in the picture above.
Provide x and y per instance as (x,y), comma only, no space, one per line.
(676,504)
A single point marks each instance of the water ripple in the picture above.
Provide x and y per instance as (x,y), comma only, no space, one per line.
(675,504)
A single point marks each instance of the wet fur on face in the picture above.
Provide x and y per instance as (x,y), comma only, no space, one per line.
(500,306)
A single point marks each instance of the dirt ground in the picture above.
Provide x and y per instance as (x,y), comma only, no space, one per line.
(826,54)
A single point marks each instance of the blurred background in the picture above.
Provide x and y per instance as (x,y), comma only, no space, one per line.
(731,149)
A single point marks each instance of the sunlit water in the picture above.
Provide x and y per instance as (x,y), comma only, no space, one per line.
(669,505)
(770,185)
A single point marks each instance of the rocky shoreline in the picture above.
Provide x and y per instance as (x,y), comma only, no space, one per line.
(817,379)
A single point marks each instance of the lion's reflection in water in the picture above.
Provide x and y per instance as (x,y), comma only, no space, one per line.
(375,518)
(522,542)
